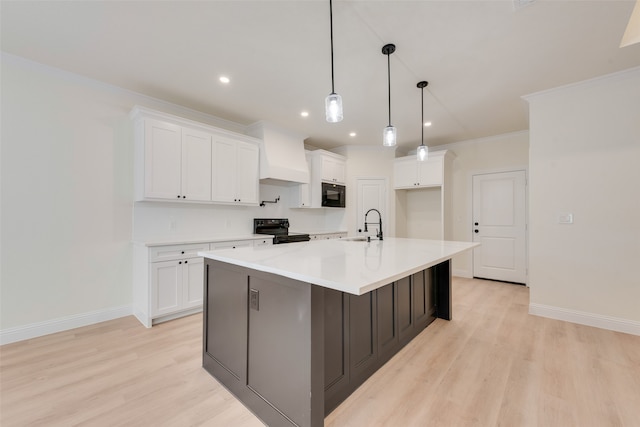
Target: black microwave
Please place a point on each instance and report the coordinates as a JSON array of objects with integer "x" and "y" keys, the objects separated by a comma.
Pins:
[{"x": 333, "y": 195}]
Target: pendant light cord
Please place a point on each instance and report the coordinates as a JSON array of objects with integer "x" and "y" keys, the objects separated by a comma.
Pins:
[
  {"x": 422, "y": 121},
  {"x": 389, "y": 82},
  {"x": 331, "y": 27}
]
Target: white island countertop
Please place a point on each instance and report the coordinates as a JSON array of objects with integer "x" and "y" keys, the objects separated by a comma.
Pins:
[{"x": 355, "y": 267}]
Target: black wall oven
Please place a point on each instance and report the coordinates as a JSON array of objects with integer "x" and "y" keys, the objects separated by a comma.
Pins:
[{"x": 333, "y": 195}]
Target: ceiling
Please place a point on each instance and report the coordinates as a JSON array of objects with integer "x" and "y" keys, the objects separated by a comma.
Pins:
[{"x": 479, "y": 57}]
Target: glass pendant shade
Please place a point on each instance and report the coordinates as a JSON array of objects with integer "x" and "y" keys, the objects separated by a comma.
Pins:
[
  {"x": 333, "y": 108},
  {"x": 389, "y": 136},
  {"x": 423, "y": 153}
]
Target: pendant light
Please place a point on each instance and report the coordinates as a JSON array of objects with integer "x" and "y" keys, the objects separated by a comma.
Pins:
[
  {"x": 423, "y": 151},
  {"x": 389, "y": 133},
  {"x": 333, "y": 102}
]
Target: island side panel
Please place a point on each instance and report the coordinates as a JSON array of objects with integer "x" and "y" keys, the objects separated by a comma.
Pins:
[
  {"x": 442, "y": 282},
  {"x": 283, "y": 342},
  {"x": 225, "y": 322},
  {"x": 281, "y": 338}
]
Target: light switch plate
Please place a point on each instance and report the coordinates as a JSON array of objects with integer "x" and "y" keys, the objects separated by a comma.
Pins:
[{"x": 565, "y": 218}]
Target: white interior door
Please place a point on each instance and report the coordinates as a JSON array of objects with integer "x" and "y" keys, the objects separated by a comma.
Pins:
[
  {"x": 372, "y": 194},
  {"x": 500, "y": 226}
]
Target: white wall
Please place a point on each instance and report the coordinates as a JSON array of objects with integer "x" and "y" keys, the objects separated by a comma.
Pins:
[
  {"x": 584, "y": 160},
  {"x": 68, "y": 218},
  {"x": 66, "y": 195}
]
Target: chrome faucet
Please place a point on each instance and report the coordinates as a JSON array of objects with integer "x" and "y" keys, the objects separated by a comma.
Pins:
[{"x": 379, "y": 234}]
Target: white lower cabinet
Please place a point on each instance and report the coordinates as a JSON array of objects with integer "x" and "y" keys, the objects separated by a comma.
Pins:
[
  {"x": 233, "y": 244},
  {"x": 176, "y": 285},
  {"x": 168, "y": 280}
]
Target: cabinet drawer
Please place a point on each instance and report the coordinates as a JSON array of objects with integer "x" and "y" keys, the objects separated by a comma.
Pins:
[
  {"x": 173, "y": 252},
  {"x": 231, "y": 244},
  {"x": 263, "y": 242}
]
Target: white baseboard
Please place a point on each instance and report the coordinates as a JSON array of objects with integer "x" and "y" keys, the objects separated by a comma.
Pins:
[
  {"x": 584, "y": 318},
  {"x": 34, "y": 330}
]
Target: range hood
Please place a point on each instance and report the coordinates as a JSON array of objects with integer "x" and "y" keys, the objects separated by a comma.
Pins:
[{"x": 282, "y": 155}]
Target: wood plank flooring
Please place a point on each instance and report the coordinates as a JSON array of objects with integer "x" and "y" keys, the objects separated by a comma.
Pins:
[{"x": 492, "y": 365}]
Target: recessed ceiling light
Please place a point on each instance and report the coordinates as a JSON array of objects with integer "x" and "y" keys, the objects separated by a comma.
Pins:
[
  {"x": 352, "y": 134},
  {"x": 224, "y": 79},
  {"x": 427, "y": 124},
  {"x": 305, "y": 114}
]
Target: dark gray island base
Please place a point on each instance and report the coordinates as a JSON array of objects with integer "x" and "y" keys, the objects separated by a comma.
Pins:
[{"x": 292, "y": 351}]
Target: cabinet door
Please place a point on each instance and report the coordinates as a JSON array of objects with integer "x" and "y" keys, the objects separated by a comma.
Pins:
[
  {"x": 424, "y": 301},
  {"x": 162, "y": 160},
  {"x": 333, "y": 170},
  {"x": 196, "y": 165},
  {"x": 247, "y": 177},
  {"x": 223, "y": 185},
  {"x": 404, "y": 173},
  {"x": 430, "y": 171},
  {"x": 387, "y": 320},
  {"x": 363, "y": 345},
  {"x": 338, "y": 173},
  {"x": 166, "y": 287},
  {"x": 192, "y": 282},
  {"x": 405, "y": 307},
  {"x": 231, "y": 244}
]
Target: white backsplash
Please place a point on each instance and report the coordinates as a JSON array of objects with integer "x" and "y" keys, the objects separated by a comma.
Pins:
[{"x": 166, "y": 220}]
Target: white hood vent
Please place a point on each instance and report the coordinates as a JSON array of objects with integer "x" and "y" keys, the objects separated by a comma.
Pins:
[{"x": 282, "y": 155}]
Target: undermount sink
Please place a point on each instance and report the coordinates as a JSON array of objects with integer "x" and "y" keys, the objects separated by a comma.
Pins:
[{"x": 355, "y": 239}]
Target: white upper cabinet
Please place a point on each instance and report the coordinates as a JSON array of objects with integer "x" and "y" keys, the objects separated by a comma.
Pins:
[
  {"x": 196, "y": 165},
  {"x": 301, "y": 193},
  {"x": 235, "y": 171},
  {"x": 247, "y": 173},
  {"x": 162, "y": 160},
  {"x": 329, "y": 166},
  {"x": 180, "y": 160},
  {"x": 224, "y": 164},
  {"x": 333, "y": 170},
  {"x": 411, "y": 173}
]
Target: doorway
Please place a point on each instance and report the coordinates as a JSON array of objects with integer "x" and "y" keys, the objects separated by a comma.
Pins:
[{"x": 499, "y": 224}]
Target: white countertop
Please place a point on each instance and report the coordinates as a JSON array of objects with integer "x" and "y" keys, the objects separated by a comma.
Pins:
[
  {"x": 355, "y": 267},
  {"x": 190, "y": 240},
  {"x": 311, "y": 233}
]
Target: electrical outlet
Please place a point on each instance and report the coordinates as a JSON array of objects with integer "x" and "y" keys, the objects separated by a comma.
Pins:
[
  {"x": 254, "y": 299},
  {"x": 565, "y": 218}
]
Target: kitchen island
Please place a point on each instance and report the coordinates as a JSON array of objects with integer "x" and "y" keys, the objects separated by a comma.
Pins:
[{"x": 293, "y": 329}]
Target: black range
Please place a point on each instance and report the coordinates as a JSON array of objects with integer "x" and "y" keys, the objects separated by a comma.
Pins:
[{"x": 279, "y": 228}]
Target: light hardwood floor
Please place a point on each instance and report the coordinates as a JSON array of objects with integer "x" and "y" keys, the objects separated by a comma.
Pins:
[{"x": 492, "y": 365}]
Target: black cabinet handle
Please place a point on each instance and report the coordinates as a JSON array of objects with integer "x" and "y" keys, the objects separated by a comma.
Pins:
[
  {"x": 185, "y": 262},
  {"x": 184, "y": 197},
  {"x": 475, "y": 223},
  {"x": 476, "y": 231},
  {"x": 178, "y": 196},
  {"x": 180, "y": 262}
]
